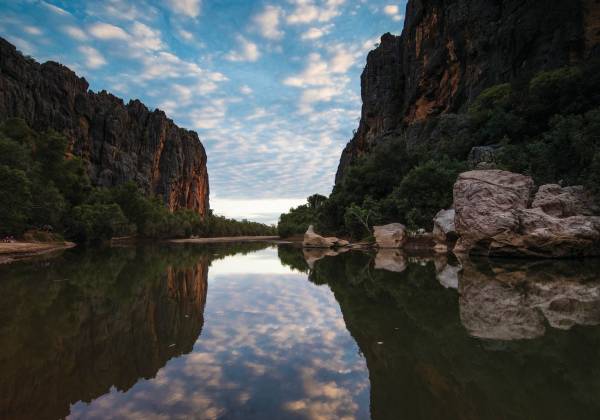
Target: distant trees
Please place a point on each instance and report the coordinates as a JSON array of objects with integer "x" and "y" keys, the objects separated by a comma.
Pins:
[{"x": 40, "y": 187}]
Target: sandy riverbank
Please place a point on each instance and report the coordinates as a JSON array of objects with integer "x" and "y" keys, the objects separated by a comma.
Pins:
[
  {"x": 12, "y": 251},
  {"x": 228, "y": 239}
]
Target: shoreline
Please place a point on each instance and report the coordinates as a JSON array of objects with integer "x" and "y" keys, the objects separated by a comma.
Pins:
[
  {"x": 225, "y": 239},
  {"x": 15, "y": 251}
]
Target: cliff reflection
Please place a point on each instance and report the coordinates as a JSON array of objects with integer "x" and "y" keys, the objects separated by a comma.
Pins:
[
  {"x": 417, "y": 334},
  {"x": 75, "y": 326}
]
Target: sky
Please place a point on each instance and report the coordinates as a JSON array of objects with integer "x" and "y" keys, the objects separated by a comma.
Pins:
[{"x": 271, "y": 87}]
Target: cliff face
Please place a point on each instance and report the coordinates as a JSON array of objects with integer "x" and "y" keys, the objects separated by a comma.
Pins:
[
  {"x": 451, "y": 50},
  {"x": 119, "y": 142}
]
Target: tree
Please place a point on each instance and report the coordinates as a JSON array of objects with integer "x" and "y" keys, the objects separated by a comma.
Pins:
[{"x": 15, "y": 200}]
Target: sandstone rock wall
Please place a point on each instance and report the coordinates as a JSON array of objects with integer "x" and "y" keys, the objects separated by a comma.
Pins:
[
  {"x": 451, "y": 50},
  {"x": 119, "y": 142}
]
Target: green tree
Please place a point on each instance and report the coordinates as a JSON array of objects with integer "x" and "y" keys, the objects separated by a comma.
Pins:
[{"x": 15, "y": 200}]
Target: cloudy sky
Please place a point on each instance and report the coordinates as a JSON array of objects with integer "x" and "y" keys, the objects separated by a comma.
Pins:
[{"x": 272, "y": 87}]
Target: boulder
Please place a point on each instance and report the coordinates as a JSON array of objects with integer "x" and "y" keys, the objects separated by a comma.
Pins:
[
  {"x": 561, "y": 202},
  {"x": 493, "y": 217},
  {"x": 393, "y": 235},
  {"x": 443, "y": 229},
  {"x": 314, "y": 240}
]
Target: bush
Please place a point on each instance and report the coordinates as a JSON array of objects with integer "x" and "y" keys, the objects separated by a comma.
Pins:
[
  {"x": 97, "y": 222},
  {"x": 15, "y": 201}
]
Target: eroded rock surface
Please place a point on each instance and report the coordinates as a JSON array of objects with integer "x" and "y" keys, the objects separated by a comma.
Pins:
[
  {"x": 451, "y": 50},
  {"x": 118, "y": 142},
  {"x": 393, "y": 235},
  {"x": 494, "y": 217},
  {"x": 314, "y": 240}
]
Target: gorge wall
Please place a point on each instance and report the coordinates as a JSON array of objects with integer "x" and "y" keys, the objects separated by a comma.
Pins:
[
  {"x": 118, "y": 142},
  {"x": 451, "y": 50}
]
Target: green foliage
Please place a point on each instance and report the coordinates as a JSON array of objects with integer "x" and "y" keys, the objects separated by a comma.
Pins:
[
  {"x": 15, "y": 200},
  {"x": 547, "y": 126},
  {"x": 298, "y": 219},
  {"x": 425, "y": 190},
  {"x": 44, "y": 188},
  {"x": 97, "y": 222}
]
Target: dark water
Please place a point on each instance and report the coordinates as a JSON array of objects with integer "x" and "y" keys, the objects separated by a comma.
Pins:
[{"x": 258, "y": 332}]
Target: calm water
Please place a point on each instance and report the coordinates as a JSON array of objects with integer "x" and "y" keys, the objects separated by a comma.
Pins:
[{"x": 260, "y": 332}]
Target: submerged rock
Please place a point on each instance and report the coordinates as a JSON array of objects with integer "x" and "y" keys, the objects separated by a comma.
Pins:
[
  {"x": 493, "y": 217},
  {"x": 393, "y": 235}
]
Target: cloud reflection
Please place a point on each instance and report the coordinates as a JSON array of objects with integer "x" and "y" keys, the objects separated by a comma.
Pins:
[{"x": 273, "y": 343}]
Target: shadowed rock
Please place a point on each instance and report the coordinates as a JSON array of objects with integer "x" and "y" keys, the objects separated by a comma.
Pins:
[
  {"x": 393, "y": 235},
  {"x": 509, "y": 300},
  {"x": 493, "y": 217}
]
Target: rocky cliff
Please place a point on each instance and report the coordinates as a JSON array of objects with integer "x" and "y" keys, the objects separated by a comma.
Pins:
[
  {"x": 119, "y": 142},
  {"x": 451, "y": 50}
]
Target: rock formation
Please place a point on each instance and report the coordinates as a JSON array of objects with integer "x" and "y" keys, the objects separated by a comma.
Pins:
[
  {"x": 494, "y": 217},
  {"x": 393, "y": 235},
  {"x": 444, "y": 230},
  {"x": 118, "y": 142},
  {"x": 314, "y": 240},
  {"x": 451, "y": 50}
]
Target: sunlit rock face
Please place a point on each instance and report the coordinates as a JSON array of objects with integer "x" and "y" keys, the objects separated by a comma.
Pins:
[
  {"x": 451, "y": 50},
  {"x": 118, "y": 142},
  {"x": 75, "y": 333},
  {"x": 505, "y": 300}
]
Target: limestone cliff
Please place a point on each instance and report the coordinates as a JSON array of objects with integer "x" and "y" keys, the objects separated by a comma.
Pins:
[
  {"x": 451, "y": 50},
  {"x": 119, "y": 142}
]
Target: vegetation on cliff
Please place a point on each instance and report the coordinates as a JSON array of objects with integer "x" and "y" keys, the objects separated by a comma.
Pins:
[
  {"x": 546, "y": 126},
  {"x": 41, "y": 187}
]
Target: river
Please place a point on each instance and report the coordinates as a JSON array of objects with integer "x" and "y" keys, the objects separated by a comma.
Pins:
[{"x": 259, "y": 331}]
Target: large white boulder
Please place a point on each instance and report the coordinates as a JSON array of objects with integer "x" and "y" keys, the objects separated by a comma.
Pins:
[{"x": 393, "y": 235}]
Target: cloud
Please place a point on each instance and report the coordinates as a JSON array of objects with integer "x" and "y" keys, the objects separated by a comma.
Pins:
[
  {"x": 190, "y": 8},
  {"x": 145, "y": 37},
  {"x": 55, "y": 9},
  {"x": 246, "y": 90},
  {"x": 262, "y": 210},
  {"x": 308, "y": 11},
  {"x": 75, "y": 33},
  {"x": 209, "y": 116},
  {"x": 246, "y": 51},
  {"x": 32, "y": 30},
  {"x": 93, "y": 58},
  {"x": 393, "y": 10},
  {"x": 107, "y": 31},
  {"x": 268, "y": 22},
  {"x": 314, "y": 33}
]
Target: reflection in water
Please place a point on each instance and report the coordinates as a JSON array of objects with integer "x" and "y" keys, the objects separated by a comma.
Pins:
[
  {"x": 510, "y": 300},
  {"x": 133, "y": 333},
  {"x": 424, "y": 365},
  {"x": 74, "y": 327}
]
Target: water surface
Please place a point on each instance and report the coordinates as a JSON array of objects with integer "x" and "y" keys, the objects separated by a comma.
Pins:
[{"x": 256, "y": 331}]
